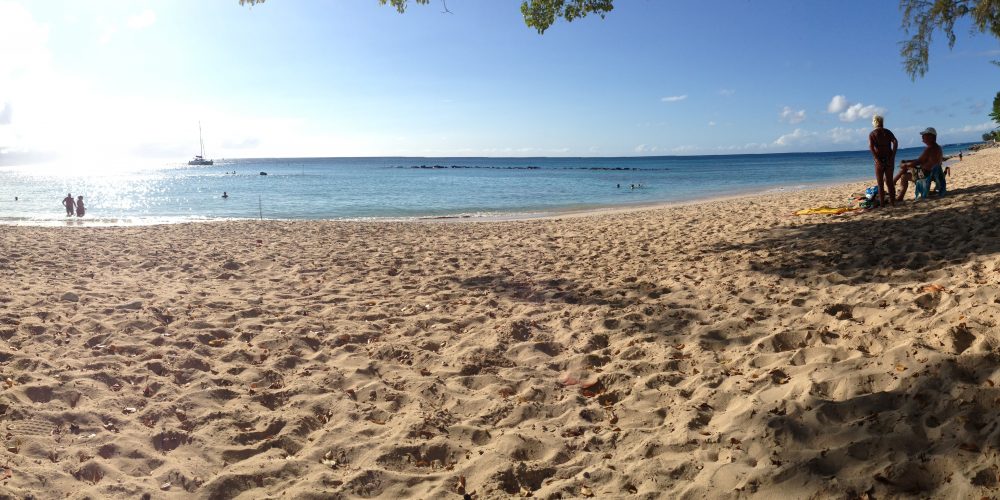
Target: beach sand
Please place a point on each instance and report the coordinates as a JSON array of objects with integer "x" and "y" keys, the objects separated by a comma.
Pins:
[{"x": 724, "y": 349}]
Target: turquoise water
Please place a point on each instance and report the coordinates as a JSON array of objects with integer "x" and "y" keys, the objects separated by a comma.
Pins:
[{"x": 405, "y": 188}]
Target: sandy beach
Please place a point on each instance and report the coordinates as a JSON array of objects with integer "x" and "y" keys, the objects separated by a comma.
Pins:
[{"x": 725, "y": 349}]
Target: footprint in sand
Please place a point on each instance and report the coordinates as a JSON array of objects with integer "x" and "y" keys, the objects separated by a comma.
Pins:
[{"x": 961, "y": 338}]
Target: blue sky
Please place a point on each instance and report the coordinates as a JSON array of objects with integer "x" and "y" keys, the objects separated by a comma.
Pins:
[{"x": 353, "y": 78}]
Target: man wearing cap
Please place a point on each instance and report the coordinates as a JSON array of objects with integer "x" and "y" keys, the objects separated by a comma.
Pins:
[{"x": 929, "y": 163}]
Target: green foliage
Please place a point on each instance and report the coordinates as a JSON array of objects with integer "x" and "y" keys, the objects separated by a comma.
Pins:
[
  {"x": 989, "y": 136},
  {"x": 922, "y": 18},
  {"x": 995, "y": 115},
  {"x": 400, "y": 5},
  {"x": 540, "y": 14}
]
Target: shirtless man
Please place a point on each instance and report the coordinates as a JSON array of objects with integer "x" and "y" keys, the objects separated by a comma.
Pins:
[
  {"x": 883, "y": 146},
  {"x": 929, "y": 163},
  {"x": 69, "y": 204}
]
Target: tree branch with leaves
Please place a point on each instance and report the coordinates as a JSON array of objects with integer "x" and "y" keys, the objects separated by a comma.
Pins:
[
  {"x": 921, "y": 20},
  {"x": 995, "y": 114},
  {"x": 538, "y": 14}
]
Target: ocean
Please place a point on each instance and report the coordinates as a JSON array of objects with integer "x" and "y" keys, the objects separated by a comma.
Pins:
[{"x": 405, "y": 187}]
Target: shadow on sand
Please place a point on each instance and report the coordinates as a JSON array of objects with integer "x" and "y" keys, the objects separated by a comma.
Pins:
[
  {"x": 881, "y": 246},
  {"x": 935, "y": 427},
  {"x": 932, "y": 427}
]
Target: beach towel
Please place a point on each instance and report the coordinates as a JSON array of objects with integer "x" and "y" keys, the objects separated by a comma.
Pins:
[{"x": 824, "y": 210}]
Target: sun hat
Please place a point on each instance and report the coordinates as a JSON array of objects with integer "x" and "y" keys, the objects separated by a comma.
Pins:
[{"x": 929, "y": 130}]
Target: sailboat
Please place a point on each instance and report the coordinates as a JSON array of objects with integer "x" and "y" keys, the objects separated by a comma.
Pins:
[{"x": 200, "y": 159}]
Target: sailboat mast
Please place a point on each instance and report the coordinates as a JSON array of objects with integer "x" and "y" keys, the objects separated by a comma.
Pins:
[
  {"x": 200, "y": 159},
  {"x": 200, "y": 140}
]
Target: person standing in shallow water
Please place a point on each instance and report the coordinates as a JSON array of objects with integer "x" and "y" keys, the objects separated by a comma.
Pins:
[
  {"x": 69, "y": 204},
  {"x": 883, "y": 146},
  {"x": 80, "y": 210}
]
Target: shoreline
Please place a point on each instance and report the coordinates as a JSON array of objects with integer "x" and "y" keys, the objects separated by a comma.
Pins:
[
  {"x": 513, "y": 216},
  {"x": 569, "y": 210}
]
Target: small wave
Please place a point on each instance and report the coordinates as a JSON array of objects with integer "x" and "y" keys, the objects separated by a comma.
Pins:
[
  {"x": 98, "y": 221},
  {"x": 531, "y": 167},
  {"x": 782, "y": 189}
]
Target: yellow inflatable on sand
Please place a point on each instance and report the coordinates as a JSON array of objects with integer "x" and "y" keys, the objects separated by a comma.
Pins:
[{"x": 824, "y": 210}]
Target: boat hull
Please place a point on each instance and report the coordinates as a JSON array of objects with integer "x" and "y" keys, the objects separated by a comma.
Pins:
[{"x": 201, "y": 162}]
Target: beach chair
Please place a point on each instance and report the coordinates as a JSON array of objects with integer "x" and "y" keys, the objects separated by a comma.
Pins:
[{"x": 937, "y": 177}]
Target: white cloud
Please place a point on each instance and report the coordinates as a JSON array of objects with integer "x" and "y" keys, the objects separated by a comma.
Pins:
[
  {"x": 860, "y": 111},
  {"x": 508, "y": 151},
  {"x": 727, "y": 92},
  {"x": 791, "y": 116},
  {"x": 142, "y": 20},
  {"x": 797, "y": 136},
  {"x": 837, "y": 104},
  {"x": 109, "y": 28},
  {"x": 643, "y": 148},
  {"x": 849, "y": 112},
  {"x": 107, "y": 35},
  {"x": 981, "y": 127},
  {"x": 711, "y": 124},
  {"x": 674, "y": 98},
  {"x": 844, "y": 135},
  {"x": 750, "y": 146},
  {"x": 106, "y": 28}
]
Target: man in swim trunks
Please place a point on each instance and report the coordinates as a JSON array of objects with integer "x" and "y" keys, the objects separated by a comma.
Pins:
[
  {"x": 69, "y": 204},
  {"x": 929, "y": 162},
  {"x": 883, "y": 146}
]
